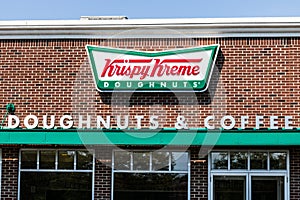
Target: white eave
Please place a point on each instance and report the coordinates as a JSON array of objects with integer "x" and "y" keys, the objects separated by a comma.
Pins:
[{"x": 152, "y": 28}]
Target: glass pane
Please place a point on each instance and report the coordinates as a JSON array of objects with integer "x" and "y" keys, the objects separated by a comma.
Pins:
[
  {"x": 122, "y": 160},
  {"x": 141, "y": 161},
  {"x": 160, "y": 161},
  {"x": 278, "y": 160},
  {"x": 29, "y": 159},
  {"x": 238, "y": 160},
  {"x": 150, "y": 186},
  {"x": 229, "y": 188},
  {"x": 258, "y": 160},
  {"x": 84, "y": 160},
  {"x": 219, "y": 160},
  {"x": 270, "y": 188},
  {"x": 66, "y": 159},
  {"x": 47, "y": 159},
  {"x": 58, "y": 186},
  {"x": 179, "y": 161}
]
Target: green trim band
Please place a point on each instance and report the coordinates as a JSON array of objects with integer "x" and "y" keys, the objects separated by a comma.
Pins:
[{"x": 143, "y": 137}]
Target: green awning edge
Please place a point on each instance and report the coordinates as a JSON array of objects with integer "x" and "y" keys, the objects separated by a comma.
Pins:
[{"x": 193, "y": 137}]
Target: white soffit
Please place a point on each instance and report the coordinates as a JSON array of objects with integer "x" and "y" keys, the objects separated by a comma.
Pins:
[{"x": 152, "y": 28}]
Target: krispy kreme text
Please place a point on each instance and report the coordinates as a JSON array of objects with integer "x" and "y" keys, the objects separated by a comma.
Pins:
[{"x": 160, "y": 67}]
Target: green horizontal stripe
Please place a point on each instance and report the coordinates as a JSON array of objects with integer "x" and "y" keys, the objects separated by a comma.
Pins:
[{"x": 142, "y": 137}]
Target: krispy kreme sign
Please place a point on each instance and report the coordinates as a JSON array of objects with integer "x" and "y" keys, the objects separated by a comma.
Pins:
[{"x": 148, "y": 71}]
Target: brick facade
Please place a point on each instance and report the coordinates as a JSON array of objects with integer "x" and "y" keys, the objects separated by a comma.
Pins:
[
  {"x": 294, "y": 173},
  {"x": 253, "y": 76},
  {"x": 10, "y": 168}
]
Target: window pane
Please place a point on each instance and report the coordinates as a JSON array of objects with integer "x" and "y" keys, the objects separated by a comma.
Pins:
[
  {"x": 150, "y": 186},
  {"x": 66, "y": 159},
  {"x": 122, "y": 160},
  {"x": 179, "y": 161},
  {"x": 141, "y": 161},
  {"x": 84, "y": 160},
  {"x": 47, "y": 159},
  {"x": 160, "y": 161},
  {"x": 229, "y": 187},
  {"x": 219, "y": 160},
  {"x": 55, "y": 185},
  {"x": 29, "y": 159},
  {"x": 277, "y": 160},
  {"x": 238, "y": 160},
  {"x": 270, "y": 188},
  {"x": 258, "y": 160}
]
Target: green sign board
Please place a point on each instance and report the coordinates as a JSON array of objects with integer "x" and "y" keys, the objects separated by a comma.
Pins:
[{"x": 147, "y": 71}]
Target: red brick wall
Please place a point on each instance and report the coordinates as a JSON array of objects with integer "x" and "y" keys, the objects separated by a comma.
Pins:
[
  {"x": 103, "y": 172},
  {"x": 199, "y": 176},
  {"x": 102, "y": 186},
  {"x": 294, "y": 173},
  {"x": 9, "y": 179},
  {"x": 255, "y": 77}
]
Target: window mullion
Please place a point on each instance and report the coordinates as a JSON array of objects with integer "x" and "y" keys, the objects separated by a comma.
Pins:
[
  {"x": 248, "y": 186},
  {"x": 268, "y": 161},
  {"x": 150, "y": 164},
  {"x": 38, "y": 160},
  {"x": 131, "y": 161},
  {"x": 228, "y": 159},
  {"x": 56, "y": 159},
  {"x": 170, "y": 161},
  {"x": 75, "y": 159},
  {"x": 249, "y": 161}
]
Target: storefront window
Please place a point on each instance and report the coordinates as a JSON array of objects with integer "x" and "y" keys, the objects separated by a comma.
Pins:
[
  {"x": 84, "y": 160},
  {"x": 122, "y": 160},
  {"x": 52, "y": 174},
  {"x": 153, "y": 175},
  {"x": 152, "y": 186},
  {"x": 29, "y": 159},
  {"x": 238, "y": 160},
  {"x": 56, "y": 186},
  {"x": 258, "y": 160},
  {"x": 141, "y": 161},
  {"x": 160, "y": 161},
  {"x": 251, "y": 175},
  {"x": 278, "y": 161},
  {"x": 271, "y": 188},
  {"x": 229, "y": 187},
  {"x": 47, "y": 159},
  {"x": 66, "y": 159},
  {"x": 219, "y": 160},
  {"x": 179, "y": 161}
]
